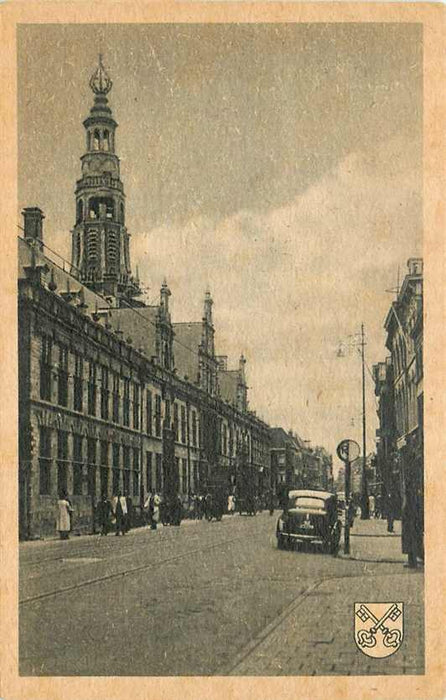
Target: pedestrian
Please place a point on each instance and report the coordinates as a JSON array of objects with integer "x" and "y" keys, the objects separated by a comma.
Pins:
[
  {"x": 390, "y": 511},
  {"x": 412, "y": 521},
  {"x": 64, "y": 511},
  {"x": 372, "y": 506},
  {"x": 200, "y": 507},
  {"x": 104, "y": 510},
  {"x": 271, "y": 502},
  {"x": 208, "y": 506},
  {"x": 147, "y": 509},
  {"x": 154, "y": 509},
  {"x": 177, "y": 511},
  {"x": 351, "y": 512},
  {"x": 128, "y": 518},
  {"x": 231, "y": 504},
  {"x": 120, "y": 513}
]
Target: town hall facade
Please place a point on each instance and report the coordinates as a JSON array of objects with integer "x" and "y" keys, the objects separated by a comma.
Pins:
[{"x": 113, "y": 395}]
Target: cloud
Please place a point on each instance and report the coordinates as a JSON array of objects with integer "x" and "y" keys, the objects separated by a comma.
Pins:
[{"x": 288, "y": 283}]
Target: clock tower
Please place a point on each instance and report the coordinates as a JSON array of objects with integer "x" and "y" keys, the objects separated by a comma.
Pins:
[{"x": 100, "y": 254}]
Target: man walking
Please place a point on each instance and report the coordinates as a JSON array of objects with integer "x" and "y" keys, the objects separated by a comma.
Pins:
[{"x": 120, "y": 512}]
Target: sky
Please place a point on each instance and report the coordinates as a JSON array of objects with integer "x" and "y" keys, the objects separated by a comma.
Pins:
[{"x": 280, "y": 165}]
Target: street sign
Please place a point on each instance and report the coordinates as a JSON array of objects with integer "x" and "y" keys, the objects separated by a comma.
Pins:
[{"x": 348, "y": 450}]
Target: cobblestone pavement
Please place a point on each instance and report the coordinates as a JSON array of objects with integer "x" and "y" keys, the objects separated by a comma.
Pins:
[
  {"x": 314, "y": 636},
  {"x": 210, "y": 599}
]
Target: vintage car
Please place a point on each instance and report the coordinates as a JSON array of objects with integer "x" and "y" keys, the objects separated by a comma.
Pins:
[{"x": 310, "y": 518}]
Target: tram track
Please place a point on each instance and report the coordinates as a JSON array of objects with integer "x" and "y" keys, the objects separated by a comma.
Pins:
[{"x": 126, "y": 572}]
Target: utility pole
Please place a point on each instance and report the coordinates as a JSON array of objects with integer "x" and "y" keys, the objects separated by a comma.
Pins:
[{"x": 365, "y": 513}]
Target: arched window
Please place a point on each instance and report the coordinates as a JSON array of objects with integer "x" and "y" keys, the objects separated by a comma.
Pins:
[
  {"x": 80, "y": 211},
  {"x": 105, "y": 141},
  {"x": 96, "y": 140}
]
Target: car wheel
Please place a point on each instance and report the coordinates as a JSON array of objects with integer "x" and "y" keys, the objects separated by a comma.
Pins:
[
  {"x": 336, "y": 539},
  {"x": 282, "y": 542}
]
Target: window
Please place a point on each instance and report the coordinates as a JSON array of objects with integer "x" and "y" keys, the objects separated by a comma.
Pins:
[
  {"x": 167, "y": 416},
  {"x": 126, "y": 403},
  {"x": 196, "y": 475},
  {"x": 116, "y": 480},
  {"x": 104, "y": 467},
  {"x": 136, "y": 471},
  {"x": 62, "y": 452},
  {"x": 183, "y": 424},
  {"x": 91, "y": 464},
  {"x": 136, "y": 407},
  {"x": 62, "y": 376},
  {"x": 175, "y": 422},
  {"x": 194, "y": 429},
  {"x": 77, "y": 464},
  {"x": 159, "y": 474},
  {"x": 45, "y": 368},
  {"x": 80, "y": 211},
  {"x": 149, "y": 413},
  {"x": 78, "y": 383},
  {"x": 104, "y": 393},
  {"x": 126, "y": 466},
  {"x": 149, "y": 483},
  {"x": 96, "y": 140},
  {"x": 184, "y": 476},
  {"x": 44, "y": 460},
  {"x": 115, "y": 397},
  {"x": 158, "y": 416},
  {"x": 92, "y": 389}
]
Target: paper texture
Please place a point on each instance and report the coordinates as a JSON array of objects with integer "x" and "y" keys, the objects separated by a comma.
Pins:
[{"x": 276, "y": 166}]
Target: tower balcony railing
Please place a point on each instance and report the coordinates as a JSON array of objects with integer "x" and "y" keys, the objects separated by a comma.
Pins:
[{"x": 100, "y": 181}]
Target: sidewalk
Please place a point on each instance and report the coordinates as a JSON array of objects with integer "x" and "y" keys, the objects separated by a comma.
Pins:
[
  {"x": 370, "y": 541},
  {"x": 314, "y": 635}
]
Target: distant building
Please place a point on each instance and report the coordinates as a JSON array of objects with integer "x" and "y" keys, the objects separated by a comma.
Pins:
[
  {"x": 386, "y": 456},
  {"x": 400, "y": 380},
  {"x": 295, "y": 465}
]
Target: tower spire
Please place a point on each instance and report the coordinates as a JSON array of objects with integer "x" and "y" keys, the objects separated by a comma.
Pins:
[
  {"x": 100, "y": 81},
  {"x": 101, "y": 242}
]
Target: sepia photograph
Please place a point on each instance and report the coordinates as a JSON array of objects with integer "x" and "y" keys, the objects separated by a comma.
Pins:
[{"x": 220, "y": 349}]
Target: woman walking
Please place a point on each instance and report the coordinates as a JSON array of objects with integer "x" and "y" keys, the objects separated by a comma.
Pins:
[{"x": 64, "y": 511}]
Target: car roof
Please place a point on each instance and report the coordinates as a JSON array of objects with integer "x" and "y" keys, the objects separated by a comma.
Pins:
[{"x": 311, "y": 494}]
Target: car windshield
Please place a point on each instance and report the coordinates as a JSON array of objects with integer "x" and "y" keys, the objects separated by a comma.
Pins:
[{"x": 306, "y": 502}]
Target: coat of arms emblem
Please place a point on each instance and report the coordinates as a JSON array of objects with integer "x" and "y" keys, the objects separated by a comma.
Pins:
[{"x": 379, "y": 628}]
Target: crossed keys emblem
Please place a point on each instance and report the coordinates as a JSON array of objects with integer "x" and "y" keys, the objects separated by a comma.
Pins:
[{"x": 375, "y": 635}]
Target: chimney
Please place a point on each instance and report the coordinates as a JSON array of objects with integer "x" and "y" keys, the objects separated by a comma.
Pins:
[
  {"x": 165, "y": 293},
  {"x": 208, "y": 307},
  {"x": 33, "y": 224},
  {"x": 415, "y": 266}
]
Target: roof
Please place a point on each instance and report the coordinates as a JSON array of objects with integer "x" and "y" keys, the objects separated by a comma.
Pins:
[
  {"x": 139, "y": 324},
  {"x": 228, "y": 381},
  {"x": 188, "y": 338},
  {"x": 64, "y": 280},
  {"x": 280, "y": 438},
  {"x": 310, "y": 494}
]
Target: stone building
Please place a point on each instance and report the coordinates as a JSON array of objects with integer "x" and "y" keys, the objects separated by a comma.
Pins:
[
  {"x": 400, "y": 387},
  {"x": 387, "y": 464},
  {"x": 113, "y": 396}
]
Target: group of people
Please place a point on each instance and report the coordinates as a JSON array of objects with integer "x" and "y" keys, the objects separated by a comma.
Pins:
[
  {"x": 116, "y": 514},
  {"x": 111, "y": 515}
]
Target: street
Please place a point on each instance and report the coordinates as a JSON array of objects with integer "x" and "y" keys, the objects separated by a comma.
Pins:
[{"x": 213, "y": 598}]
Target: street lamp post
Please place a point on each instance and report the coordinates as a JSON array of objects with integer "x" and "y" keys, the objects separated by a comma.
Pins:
[{"x": 365, "y": 511}]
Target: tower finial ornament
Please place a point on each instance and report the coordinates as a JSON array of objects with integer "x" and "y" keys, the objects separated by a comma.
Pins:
[{"x": 100, "y": 81}]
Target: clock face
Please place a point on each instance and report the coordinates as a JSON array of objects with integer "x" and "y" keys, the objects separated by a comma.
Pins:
[{"x": 99, "y": 165}]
